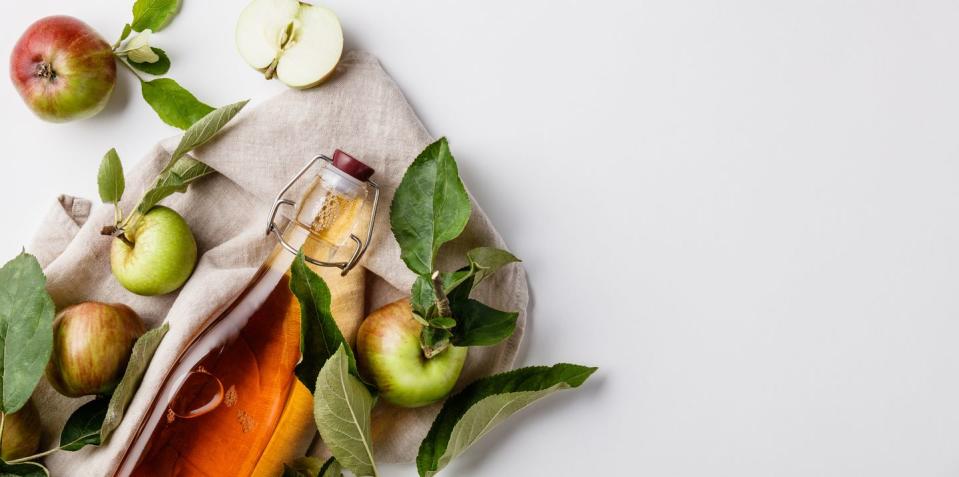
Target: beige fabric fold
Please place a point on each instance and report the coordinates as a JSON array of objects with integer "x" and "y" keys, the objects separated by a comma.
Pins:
[{"x": 360, "y": 110}]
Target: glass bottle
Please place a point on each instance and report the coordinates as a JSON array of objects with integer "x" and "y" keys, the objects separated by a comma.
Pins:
[{"x": 231, "y": 405}]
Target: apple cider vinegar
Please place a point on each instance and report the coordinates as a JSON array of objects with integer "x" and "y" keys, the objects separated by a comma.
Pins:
[{"x": 231, "y": 405}]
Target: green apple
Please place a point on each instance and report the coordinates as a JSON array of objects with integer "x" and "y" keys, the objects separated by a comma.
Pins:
[
  {"x": 298, "y": 43},
  {"x": 63, "y": 69},
  {"x": 389, "y": 353},
  {"x": 160, "y": 256},
  {"x": 21, "y": 433},
  {"x": 92, "y": 343}
]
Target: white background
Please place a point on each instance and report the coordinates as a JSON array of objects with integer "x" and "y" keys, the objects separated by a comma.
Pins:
[{"x": 745, "y": 212}]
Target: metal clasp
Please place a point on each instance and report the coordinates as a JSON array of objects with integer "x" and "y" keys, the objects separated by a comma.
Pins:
[{"x": 361, "y": 246}]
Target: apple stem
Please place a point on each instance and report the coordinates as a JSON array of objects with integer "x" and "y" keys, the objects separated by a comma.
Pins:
[
  {"x": 117, "y": 232},
  {"x": 271, "y": 70},
  {"x": 125, "y": 240},
  {"x": 442, "y": 301}
]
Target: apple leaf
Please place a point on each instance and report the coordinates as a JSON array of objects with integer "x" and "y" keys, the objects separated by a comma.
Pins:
[
  {"x": 430, "y": 207},
  {"x": 201, "y": 131},
  {"x": 470, "y": 414},
  {"x": 83, "y": 426},
  {"x": 485, "y": 261},
  {"x": 23, "y": 469},
  {"x": 341, "y": 406},
  {"x": 186, "y": 171},
  {"x": 26, "y": 330},
  {"x": 175, "y": 105},
  {"x": 320, "y": 337},
  {"x": 127, "y": 29},
  {"x": 153, "y": 14},
  {"x": 480, "y": 325},
  {"x": 110, "y": 178},
  {"x": 157, "y": 68},
  {"x": 140, "y": 357}
]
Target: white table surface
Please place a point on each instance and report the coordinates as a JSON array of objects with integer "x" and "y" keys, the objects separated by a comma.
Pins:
[{"x": 746, "y": 212}]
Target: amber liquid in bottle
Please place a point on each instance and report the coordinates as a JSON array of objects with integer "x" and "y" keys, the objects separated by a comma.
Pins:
[{"x": 232, "y": 397}]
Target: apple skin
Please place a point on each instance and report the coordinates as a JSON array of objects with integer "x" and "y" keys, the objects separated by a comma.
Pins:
[
  {"x": 388, "y": 348},
  {"x": 91, "y": 346},
  {"x": 63, "y": 69},
  {"x": 21, "y": 433},
  {"x": 162, "y": 257}
]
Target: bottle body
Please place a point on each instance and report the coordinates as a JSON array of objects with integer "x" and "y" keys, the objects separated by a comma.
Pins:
[
  {"x": 224, "y": 398},
  {"x": 231, "y": 404}
]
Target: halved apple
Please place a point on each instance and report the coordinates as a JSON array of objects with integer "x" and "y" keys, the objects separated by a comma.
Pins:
[{"x": 298, "y": 43}]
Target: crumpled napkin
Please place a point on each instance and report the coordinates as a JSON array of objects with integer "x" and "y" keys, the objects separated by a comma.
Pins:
[{"x": 360, "y": 110}]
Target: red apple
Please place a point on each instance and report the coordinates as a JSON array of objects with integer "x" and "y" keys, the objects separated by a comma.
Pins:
[
  {"x": 21, "y": 433},
  {"x": 91, "y": 346},
  {"x": 63, "y": 69}
]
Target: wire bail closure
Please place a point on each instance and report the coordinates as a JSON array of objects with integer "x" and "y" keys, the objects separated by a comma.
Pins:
[{"x": 361, "y": 246}]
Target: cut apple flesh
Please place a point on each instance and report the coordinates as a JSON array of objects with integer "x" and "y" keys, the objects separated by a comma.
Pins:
[{"x": 298, "y": 43}]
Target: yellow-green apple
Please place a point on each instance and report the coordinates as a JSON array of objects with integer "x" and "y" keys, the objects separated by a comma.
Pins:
[
  {"x": 158, "y": 255},
  {"x": 63, "y": 69},
  {"x": 297, "y": 42},
  {"x": 389, "y": 353},
  {"x": 21, "y": 433},
  {"x": 91, "y": 346}
]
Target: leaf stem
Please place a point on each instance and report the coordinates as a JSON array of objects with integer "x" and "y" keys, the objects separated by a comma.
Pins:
[
  {"x": 34, "y": 456},
  {"x": 3, "y": 418},
  {"x": 127, "y": 65}
]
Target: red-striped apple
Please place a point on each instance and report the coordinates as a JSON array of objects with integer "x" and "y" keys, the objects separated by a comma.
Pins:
[
  {"x": 63, "y": 69},
  {"x": 91, "y": 346}
]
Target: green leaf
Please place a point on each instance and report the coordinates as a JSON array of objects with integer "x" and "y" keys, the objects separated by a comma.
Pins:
[
  {"x": 186, "y": 171},
  {"x": 83, "y": 426},
  {"x": 25, "y": 469},
  {"x": 480, "y": 325},
  {"x": 175, "y": 105},
  {"x": 127, "y": 29},
  {"x": 473, "y": 412},
  {"x": 157, "y": 68},
  {"x": 320, "y": 337},
  {"x": 206, "y": 128},
  {"x": 485, "y": 261},
  {"x": 430, "y": 207},
  {"x": 443, "y": 322},
  {"x": 342, "y": 406},
  {"x": 110, "y": 178},
  {"x": 137, "y": 366},
  {"x": 153, "y": 14},
  {"x": 26, "y": 330}
]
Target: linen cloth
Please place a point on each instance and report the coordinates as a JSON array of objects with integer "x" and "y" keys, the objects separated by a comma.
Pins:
[{"x": 360, "y": 110}]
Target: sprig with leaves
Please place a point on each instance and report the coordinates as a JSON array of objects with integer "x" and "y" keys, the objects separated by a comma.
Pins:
[
  {"x": 430, "y": 208},
  {"x": 173, "y": 103},
  {"x": 176, "y": 176}
]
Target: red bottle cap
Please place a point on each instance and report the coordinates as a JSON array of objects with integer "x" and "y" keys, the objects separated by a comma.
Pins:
[{"x": 351, "y": 166}]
